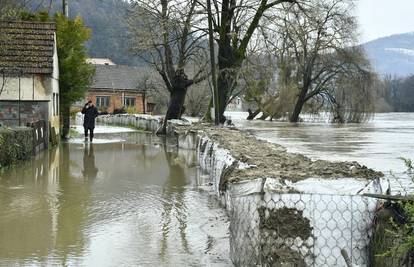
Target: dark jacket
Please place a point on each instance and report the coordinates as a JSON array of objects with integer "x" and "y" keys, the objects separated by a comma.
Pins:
[{"x": 90, "y": 115}]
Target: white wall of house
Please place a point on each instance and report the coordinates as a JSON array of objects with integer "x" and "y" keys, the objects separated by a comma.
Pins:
[
  {"x": 54, "y": 98},
  {"x": 32, "y": 88},
  {"x": 36, "y": 87}
]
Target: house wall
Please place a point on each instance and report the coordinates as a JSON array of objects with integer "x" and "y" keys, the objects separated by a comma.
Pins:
[
  {"x": 116, "y": 99},
  {"x": 35, "y": 88},
  {"x": 34, "y": 96},
  {"x": 32, "y": 87},
  {"x": 54, "y": 106}
]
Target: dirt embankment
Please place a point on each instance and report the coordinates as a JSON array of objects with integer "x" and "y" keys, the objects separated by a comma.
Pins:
[{"x": 270, "y": 160}]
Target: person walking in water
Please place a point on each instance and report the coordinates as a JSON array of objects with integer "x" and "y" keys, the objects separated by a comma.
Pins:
[{"x": 90, "y": 112}]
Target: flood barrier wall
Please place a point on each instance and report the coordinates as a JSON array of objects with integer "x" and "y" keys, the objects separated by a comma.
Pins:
[{"x": 270, "y": 226}]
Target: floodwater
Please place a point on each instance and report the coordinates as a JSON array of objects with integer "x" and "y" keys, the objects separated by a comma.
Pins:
[
  {"x": 378, "y": 144},
  {"x": 135, "y": 201}
]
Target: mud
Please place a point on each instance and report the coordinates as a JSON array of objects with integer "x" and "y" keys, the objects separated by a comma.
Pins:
[
  {"x": 278, "y": 226},
  {"x": 285, "y": 257},
  {"x": 285, "y": 222},
  {"x": 270, "y": 160}
]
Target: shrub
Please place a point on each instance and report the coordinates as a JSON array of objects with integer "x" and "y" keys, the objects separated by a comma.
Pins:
[{"x": 15, "y": 144}]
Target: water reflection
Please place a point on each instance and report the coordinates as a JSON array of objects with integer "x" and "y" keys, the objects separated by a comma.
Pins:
[
  {"x": 74, "y": 198},
  {"x": 29, "y": 194},
  {"x": 174, "y": 191},
  {"x": 109, "y": 204},
  {"x": 89, "y": 166}
]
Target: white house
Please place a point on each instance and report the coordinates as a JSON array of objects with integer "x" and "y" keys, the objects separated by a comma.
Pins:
[{"x": 29, "y": 74}]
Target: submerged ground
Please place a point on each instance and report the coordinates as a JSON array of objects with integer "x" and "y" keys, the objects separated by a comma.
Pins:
[{"x": 128, "y": 199}]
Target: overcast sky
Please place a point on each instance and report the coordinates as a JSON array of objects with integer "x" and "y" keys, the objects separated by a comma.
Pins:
[{"x": 379, "y": 18}]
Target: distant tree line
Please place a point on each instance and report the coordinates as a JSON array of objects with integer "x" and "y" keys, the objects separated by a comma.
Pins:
[{"x": 398, "y": 93}]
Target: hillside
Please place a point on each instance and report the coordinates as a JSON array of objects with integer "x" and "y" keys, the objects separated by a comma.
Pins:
[
  {"x": 106, "y": 18},
  {"x": 392, "y": 55}
]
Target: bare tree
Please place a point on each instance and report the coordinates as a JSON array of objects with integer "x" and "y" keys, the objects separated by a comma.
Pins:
[
  {"x": 317, "y": 53},
  {"x": 235, "y": 22},
  {"x": 257, "y": 81},
  {"x": 163, "y": 34},
  {"x": 197, "y": 100}
]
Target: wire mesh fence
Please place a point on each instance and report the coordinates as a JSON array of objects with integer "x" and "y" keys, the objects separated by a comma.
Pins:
[{"x": 280, "y": 229}]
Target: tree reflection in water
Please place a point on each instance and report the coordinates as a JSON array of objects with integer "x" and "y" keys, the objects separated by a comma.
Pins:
[{"x": 174, "y": 203}]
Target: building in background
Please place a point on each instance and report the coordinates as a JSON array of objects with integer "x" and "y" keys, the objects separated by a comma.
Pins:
[
  {"x": 100, "y": 61},
  {"x": 116, "y": 87},
  {"x": 29, "y": 74},
  {"x": 236, "y": 104}
]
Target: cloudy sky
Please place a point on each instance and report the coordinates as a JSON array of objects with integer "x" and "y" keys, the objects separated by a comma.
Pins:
[{"x": 380, "y": 18}]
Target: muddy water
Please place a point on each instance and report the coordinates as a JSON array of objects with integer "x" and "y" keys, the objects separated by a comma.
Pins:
[
  {"x": 377, "y": 144},
  {"x": 135, "y": 201}
]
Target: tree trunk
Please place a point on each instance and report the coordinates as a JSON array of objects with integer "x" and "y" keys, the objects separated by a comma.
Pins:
[
  {"x": 263, "y": 117},
  {"x": 299, "y": 105},
  {"x": 223, "y": 96},
  {"x": 175, "y": 108},
  {"x": 252, "y": 115},
  {"x": 228, "y": 64},
  {"x": 207, "y": 116},
  {"x": 65, "y": 122}
]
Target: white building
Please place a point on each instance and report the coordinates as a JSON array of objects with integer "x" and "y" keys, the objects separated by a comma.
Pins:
[
  {"x": 29, "y": 74},
  {"x": 100, "y": 61}
]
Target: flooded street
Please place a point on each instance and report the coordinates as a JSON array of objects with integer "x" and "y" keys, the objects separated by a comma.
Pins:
[{"x": 130, "y": 199}]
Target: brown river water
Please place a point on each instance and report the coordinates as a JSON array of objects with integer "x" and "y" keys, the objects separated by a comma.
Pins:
[{"x": 130, "y": 199}]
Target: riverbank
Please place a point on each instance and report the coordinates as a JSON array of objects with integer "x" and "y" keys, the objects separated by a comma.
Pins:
[{"x": 264, "y": 188}]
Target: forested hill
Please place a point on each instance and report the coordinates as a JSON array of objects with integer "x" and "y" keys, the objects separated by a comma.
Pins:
[
  {"x": 106, "y": 18},
  {"x": 392, "y": 55}
]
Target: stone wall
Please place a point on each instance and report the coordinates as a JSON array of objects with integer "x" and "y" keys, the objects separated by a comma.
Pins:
[{"x": 15, "y": 144}]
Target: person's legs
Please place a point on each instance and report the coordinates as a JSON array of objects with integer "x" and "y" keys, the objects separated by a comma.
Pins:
[
  {"x": 86, "y": 132},
  {"x": 91, "y": 134}
]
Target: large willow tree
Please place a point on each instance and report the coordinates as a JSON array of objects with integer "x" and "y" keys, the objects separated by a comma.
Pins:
[{"x": 317, "y": 54}]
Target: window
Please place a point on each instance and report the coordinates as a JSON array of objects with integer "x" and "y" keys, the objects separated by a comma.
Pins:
[
  {"x": 129, "y": 101},
  {"x": 102, "y": 101}
]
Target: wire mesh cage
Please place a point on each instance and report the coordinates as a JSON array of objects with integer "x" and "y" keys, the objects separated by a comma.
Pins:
[{"x": 280, "y": 229}]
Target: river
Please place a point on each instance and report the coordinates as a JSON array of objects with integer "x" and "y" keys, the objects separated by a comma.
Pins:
[
  {"x": 129, "y": 199},
  {"x": 378, "y": 143}
]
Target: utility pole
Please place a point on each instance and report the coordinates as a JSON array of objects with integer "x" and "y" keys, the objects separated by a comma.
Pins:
[
  {"x": 65, "y": 6},
  {"x": 213, "y": 64}
]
